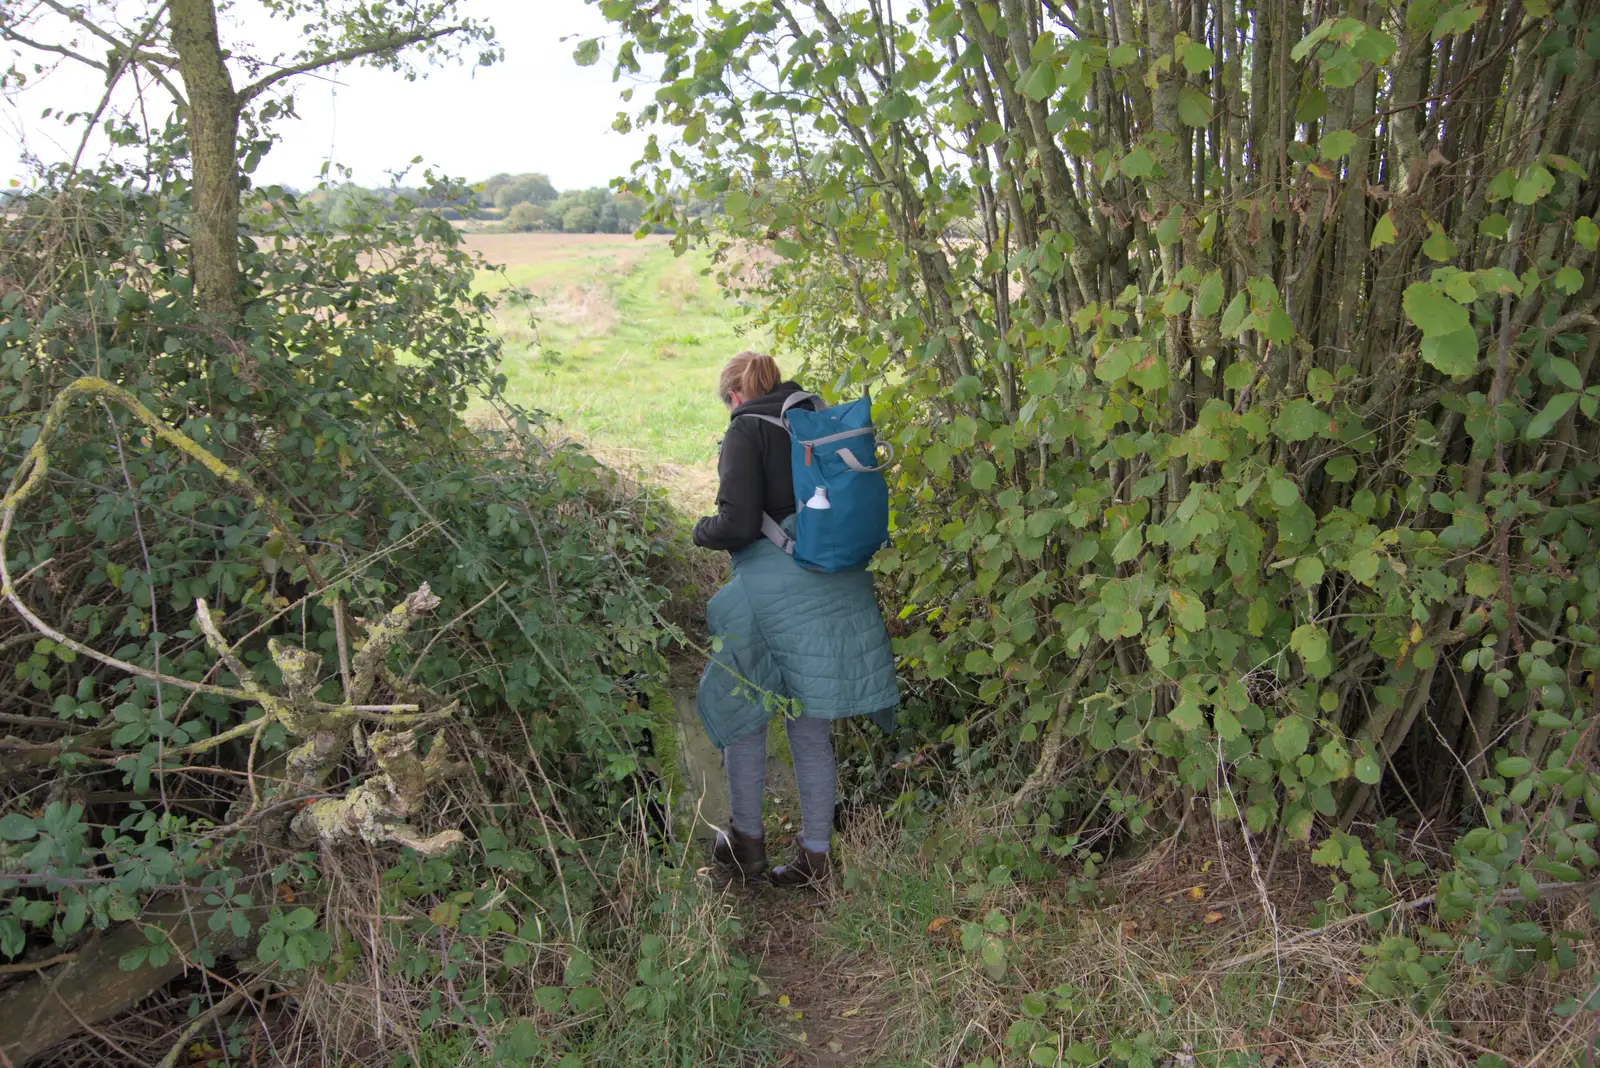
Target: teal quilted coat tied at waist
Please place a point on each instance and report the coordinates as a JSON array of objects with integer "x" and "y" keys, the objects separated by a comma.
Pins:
[{"x": 815, "y": 639}]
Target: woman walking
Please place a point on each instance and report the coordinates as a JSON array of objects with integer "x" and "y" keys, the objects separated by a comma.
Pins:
[{"x": 812, "y": 643}]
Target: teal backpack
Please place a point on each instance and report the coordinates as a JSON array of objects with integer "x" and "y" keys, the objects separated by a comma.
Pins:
[{"x": 841, "y": 497}]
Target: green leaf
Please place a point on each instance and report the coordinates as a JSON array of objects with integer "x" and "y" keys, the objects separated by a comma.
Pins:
[
  {"x": 1454, "y": 354},
  {"x": 1533, "y": 185},
  {"x": 1313, "y": 105},
  {"x": 1513, "y": 767},
  {"x": 1194, "y": 107},
  {"x": 1483, "y": 580},
  {"x": 1567, "y": 280},
  {"x": 1233, "y": 320},
  {"x": 1299, "y": 420},
  {"x": 1585, "y": 232},
  {"x": 1336, "y": 144},
  {"x": 1209, "y": 296},
  {"x": 983, "y": 475},
  {"x": 1432, "y": 312},
  {"x": 1565, "y": 372},
  {"x": 1285, "y": 494},
  {"x": 579, "y": 969},
  {"x": 1138, "y": 163},
  {"x": 1122, "y": 55},
  {"x": 15, "y": 827},
  {"x": 1310, "y": 641},
  {"x": 1501, "y": 185},
  {"x": 1438, "y": 247},
  {"x": 1197, "y": 58},
  {"x": 1188, "y": 610},
  {"x": 1308, "y": 571},
  {"x": 1494, "y": 225},
  {"x": 1039, "y": 82},
  {"x": 587, "y": 53},
  {"x": 1290, "y": 736},
  {"x": 1545, "y": 421},
  {"x": 1384, "y": 232},
  {"x": 1042, "y": 523},
  {"x": 1455, "y": 20},
  {"x": 1341, "y": 468},
  {"x": 1301, "y": 50},
  {"x": 1367, "y": 770},
  {"x": 896, "y": 107},
  {"x": 1187, "y": 715},
  {"x": 585, "y": 999},
  {"x": 1128, "y": 545}
]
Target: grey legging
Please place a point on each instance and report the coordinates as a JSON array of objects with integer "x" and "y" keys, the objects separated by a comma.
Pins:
[{"x": 812, "y": 750}]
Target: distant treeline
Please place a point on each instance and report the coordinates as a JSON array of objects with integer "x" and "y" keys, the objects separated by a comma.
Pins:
[{"x": 518, "y": 202}]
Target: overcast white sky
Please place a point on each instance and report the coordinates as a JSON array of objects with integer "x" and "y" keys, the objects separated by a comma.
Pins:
[{"x": 536, "y": 111}]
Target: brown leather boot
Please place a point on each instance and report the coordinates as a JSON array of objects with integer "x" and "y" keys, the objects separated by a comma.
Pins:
[
  {"x": 806, "y": 870},
  {"x": 745, "y": 855}
]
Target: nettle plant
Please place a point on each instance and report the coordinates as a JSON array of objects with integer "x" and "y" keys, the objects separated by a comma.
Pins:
[{"x": 1241, "y": 364}]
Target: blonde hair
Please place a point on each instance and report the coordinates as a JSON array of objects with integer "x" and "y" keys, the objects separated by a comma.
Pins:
[{"x": 750, "y": 374}]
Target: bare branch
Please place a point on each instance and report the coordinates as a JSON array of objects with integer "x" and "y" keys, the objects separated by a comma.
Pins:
[
  {"x": 12, "y": 35},
  {"x": 354, "y": 52},
  {"x": 139, "y": 52}
]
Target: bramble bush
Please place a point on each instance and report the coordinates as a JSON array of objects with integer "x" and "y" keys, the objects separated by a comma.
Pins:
[
  {"x": 399, "y": 693},
  {"x": 1241, "y": 365}
]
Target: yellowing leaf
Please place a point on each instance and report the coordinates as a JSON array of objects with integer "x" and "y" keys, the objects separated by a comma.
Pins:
[
  {"x": 1212, "y": 917},
  {"x": 1384, "y": 232},
  {"x": 1195, "y": 893},
  {"x": 1438, "y": 247}
]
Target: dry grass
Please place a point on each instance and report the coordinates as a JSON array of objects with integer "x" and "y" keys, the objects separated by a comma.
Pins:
[
  {"x": 879, "y": 970},
  {"x": 587, "y": 310}
]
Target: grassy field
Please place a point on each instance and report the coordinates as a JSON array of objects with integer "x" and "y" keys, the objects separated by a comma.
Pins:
[{"x": 620, "y": 345}]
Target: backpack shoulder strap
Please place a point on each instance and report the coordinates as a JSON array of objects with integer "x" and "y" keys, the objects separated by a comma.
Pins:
[
  {"x": 779, "y": 423},
  {"x": 770, "y": 528},
  {"x": 799, "y": 397},
  {"x": 775, "y": 534}
]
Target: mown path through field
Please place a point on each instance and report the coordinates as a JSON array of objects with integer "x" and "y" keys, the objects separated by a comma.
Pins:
[{"x": 621, "y": 343}]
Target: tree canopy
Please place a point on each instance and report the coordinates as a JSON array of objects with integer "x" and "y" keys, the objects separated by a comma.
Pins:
[{"x": 1240, "y": 360}]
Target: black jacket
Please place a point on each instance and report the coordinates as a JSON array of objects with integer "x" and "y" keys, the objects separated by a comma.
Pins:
[{"x": 755, "y": 476}]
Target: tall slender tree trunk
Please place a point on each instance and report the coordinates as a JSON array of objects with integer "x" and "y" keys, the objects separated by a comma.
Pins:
[{"x": 213, "y": 126}]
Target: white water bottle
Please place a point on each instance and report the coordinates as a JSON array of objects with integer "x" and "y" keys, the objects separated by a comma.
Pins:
[{"x": 819, "y": 500}]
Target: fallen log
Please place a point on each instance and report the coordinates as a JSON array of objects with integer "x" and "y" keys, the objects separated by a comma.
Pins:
[{"x": 68, "y": 998}]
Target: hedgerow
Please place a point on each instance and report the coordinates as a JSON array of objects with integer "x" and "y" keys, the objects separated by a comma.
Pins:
[{"x": 1240, "y": 360}]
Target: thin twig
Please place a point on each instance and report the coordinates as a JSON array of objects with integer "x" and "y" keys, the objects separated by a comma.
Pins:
[
  {"x": 448, "y": 627},
  {"x": 37, "y": 965}
]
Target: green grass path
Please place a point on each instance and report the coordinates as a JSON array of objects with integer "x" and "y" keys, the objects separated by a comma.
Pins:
[{"x": 626, "y": 354}]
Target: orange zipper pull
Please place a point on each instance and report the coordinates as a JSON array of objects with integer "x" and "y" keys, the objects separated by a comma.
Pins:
[{"x": 808, "y": 455}]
